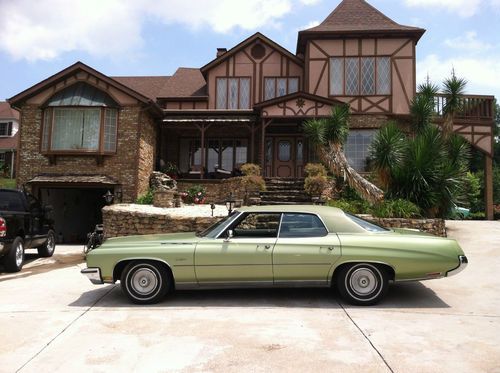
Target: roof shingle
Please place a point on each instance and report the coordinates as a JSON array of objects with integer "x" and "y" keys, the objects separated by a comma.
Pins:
[{"x": 6, "y": 112}]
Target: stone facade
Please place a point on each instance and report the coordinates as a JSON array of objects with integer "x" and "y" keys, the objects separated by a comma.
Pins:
[
  {"x": 128, "y": 223},
  {"x": 437, "y": 227},
  {"x": 130, "y": 166},
  {"x": 119, "y": 222}
]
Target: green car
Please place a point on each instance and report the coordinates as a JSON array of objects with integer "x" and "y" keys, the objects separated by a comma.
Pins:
[{"x": 276, "y": 246}]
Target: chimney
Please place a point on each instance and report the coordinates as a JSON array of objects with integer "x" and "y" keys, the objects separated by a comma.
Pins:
[{"x": 221, "y": 51}]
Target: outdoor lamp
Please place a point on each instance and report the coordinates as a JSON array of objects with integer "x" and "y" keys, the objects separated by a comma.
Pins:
[
  {"x": 108, "y": 197},
  {"x": 212, "y": 206},
  {"x": 230, "y": 202}
]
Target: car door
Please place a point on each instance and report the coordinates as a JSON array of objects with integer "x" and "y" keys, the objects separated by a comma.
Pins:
[
  {"x": 244, "y": 258},
  {"x": 305, "y": 251},
  {"x": 37, "y": 232}
]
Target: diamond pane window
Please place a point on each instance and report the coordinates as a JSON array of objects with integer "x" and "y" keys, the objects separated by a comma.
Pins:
[
  {"x": 368, "y": 76},
  {"x": 352, "y": 76},
  {"x": 284, "y": 151},
  {"x": 47, "y": 121},
  {"x": 270, "y": 88},
  {"x": 293, "y": 85},
  {"x": 281, "y": 87},
  {"x": 244, "y": 93},
  {"x": 336, "y": 76},
  {"x": 233, "y": 94},
  {"x": 357, "y": 148},
  {"x": 221, "y": 93},
  {"x": 383, "y": 75}
]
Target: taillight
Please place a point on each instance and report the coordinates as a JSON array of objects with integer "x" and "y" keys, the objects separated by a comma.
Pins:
[{"x": 3, "y": 227}]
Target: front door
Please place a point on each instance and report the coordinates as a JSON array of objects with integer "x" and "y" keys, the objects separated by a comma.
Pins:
[{"x": 284, "y": 160}]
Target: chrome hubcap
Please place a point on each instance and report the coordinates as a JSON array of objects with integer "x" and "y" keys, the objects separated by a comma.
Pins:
[
  {"x": 19, "y": 254},
  {"x": 363, "y": 281},
  {"x": 144, "y": 281},
  {"x": 50, "y": 243}
]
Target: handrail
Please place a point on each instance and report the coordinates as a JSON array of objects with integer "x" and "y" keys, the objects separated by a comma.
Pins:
[{"x": 471, "y": 107}]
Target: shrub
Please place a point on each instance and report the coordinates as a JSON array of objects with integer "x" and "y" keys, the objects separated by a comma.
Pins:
[
  {"x": 351, "y": 207},
  {"x": 473, "y": 192},
  {"x": 146, "y": 199},
  {"x": 397, "y": 208},
  {"x": 249, "y": 169},
  {"x": 195, "y": 194},
  {"x": 315, "y": 185},
  {"x": 253, "y": 182},
  {"x": 315, "y": 169}
]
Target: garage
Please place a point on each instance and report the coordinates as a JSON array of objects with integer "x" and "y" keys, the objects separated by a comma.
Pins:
[{"x": 76, "y": 201}]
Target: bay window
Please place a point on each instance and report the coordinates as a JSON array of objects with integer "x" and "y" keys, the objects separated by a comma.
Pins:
[
  {"x": 233, "y": 93},
  {"x": 360, "y": 76}
]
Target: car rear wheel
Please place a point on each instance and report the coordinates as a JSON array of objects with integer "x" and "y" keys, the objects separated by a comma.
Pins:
[
  {"x": 14, "y": 260},
  {"x": 145, "y": 282},
  {"x": 48, "y": 248},
  {"x": 362, "y": 284}
]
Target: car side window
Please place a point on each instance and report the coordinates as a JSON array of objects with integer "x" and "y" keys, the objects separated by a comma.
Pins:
[
  {"x": 258, "y": 225},
  {"x": 302, "y": 225}
]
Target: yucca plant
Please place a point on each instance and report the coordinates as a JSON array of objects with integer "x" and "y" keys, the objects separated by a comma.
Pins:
[
  {"x": 328, "y": 136},
  {"x": 453, "y": 89}
]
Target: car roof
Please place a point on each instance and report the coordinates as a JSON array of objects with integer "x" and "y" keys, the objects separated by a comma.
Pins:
[{"x": 334, "y": 218}]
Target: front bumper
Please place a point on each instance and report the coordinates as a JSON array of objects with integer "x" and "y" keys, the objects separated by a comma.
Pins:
[
  {"x": 462, "y": 264},
  {"x": 93, "y": 274}
]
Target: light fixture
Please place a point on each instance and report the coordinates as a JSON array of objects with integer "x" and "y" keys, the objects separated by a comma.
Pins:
[
  {"x": 108, "y": 197},
  {"x": 212, "y": 206},
  {"x": 230, "y": 202}
]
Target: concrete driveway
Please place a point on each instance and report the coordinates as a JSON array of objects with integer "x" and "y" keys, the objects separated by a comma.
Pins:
[{"x": 53, "y": 319}]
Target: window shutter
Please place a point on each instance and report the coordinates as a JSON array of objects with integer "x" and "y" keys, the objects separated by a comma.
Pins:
[{"x": 9, "y": 129}]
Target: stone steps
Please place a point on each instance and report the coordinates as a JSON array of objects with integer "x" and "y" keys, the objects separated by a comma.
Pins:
[{"x": 282, "y": 191}]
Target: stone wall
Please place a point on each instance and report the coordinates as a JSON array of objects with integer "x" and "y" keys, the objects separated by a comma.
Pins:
[
  {"x": 127, "y": 223},
  {"x": 436, "y": 227},
  {"x": 122, "y": 167},
  {"x": 121, "y": 222}
]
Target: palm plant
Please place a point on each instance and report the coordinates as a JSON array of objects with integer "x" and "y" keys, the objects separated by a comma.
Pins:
[
  {"x": 453, "y": 89},
  {"x": 328, "y": 136},
  {"x": 422, "y": 106}
]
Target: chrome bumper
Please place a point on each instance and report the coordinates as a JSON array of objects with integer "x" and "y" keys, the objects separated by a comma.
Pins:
[
  {"x": 93, "y": 274},
  {"x": 462, "y": 263}
]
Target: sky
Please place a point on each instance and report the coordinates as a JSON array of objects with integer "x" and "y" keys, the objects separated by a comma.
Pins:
[{"x": 38, "y": 38}]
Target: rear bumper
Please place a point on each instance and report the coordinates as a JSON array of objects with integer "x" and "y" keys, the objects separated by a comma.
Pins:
[
  {"x": 462, "y": 264},
  {"x": 93, "y": 274}
]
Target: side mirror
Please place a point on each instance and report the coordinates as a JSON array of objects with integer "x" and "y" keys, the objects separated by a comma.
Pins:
[{"x": 229, "y": 235}]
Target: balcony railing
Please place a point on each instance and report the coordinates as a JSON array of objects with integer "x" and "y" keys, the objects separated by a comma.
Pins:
[{"x": 472, "y": 107}]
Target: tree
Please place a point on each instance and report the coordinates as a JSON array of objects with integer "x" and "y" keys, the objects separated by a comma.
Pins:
[{"x": 328, "y": 136}]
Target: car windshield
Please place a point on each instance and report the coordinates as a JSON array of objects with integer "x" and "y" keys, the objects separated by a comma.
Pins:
[
  {"x": 214, "y": 230},
  {"x": 11, "y": 201},
  {"x": 370, "y": 227}
]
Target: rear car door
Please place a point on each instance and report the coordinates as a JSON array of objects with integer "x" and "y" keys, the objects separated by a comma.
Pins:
[
  {"x": 305, "y": 250},
  {"x": 243, "y": 259}
]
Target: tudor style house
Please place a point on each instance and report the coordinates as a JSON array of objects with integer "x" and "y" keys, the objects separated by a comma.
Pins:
[{"x": 83, "y": 133}]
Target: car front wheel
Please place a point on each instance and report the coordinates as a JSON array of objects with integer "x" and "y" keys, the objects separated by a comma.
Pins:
[
  {"x": 362, "y": 284},
  {"x": 145, "y": 282}
]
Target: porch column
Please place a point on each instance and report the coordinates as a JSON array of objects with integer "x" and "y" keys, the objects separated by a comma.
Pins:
[
  {"x": 488, "y": 186},
  {"x": 252, "y": 142},
  {"x": 202, "y": 174},
  {"x": 12, "y": 157},
  {"x": 265, "y": 124}
]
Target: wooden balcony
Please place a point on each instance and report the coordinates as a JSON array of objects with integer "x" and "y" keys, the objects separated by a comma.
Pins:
[{"x": 474, "y": 109}]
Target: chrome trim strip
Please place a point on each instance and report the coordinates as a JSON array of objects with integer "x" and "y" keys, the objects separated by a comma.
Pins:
[
  {"x": 93, "y": 274},
  {"x": 462, "y": 264},
  {"x": 228, "y": 223},
  {"x": 251, "y": 284}
]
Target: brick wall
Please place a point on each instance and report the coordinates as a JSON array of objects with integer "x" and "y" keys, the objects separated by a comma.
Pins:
[{"x": 123, "y": 166}]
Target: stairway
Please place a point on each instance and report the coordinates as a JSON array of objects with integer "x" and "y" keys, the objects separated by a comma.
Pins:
[{"x": 281, "y": 191}]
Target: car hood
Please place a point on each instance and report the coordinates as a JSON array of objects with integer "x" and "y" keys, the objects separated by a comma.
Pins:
[{"x": 150, "y": 239}]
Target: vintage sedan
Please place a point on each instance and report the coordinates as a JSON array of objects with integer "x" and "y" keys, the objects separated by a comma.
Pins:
[{"x": 276, "y": 246}]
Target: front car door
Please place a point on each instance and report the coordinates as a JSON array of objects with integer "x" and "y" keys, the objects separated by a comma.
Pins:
[
  {"x": 305, "y": 251},
  {"x": 245, "y": 258}
]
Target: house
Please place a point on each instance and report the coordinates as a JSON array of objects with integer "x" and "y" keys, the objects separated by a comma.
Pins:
[
  {"x": 83, "y": 133},
  {"x": 9, "y": 125}
]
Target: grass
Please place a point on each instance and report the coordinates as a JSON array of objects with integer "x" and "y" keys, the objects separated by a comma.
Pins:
[{"x": 7, "y": 183}]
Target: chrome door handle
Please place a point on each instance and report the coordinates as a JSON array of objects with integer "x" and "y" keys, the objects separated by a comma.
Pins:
[{"x": 267, "y": 247}]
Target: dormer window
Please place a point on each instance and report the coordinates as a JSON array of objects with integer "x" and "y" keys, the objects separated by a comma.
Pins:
[
  {"x": 277, "y": 87},
  {"x": 5, "y": 129},
  {"x": 360, "y": 76},
  {"x": 80, "y": 119}
]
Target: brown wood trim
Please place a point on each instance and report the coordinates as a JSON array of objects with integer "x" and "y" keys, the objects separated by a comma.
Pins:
[
  {"x": 402, "y": 84},
  {"x": 319, "y": 48},
  {"x": 101, "y": 132},
  {"x": 320, "y": 77},
  {"x": 402, "y": 47}
]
